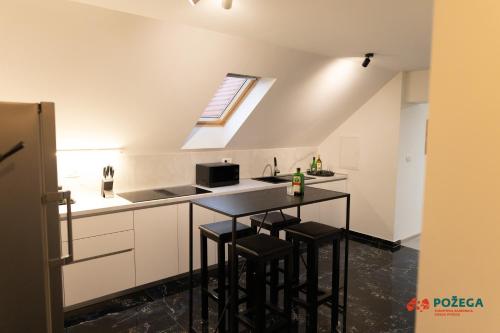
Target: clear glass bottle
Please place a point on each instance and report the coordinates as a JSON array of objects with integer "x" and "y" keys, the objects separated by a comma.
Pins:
[{"x": 319, "y": 164}]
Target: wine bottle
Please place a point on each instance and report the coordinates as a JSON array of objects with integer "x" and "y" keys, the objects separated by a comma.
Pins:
[
  {"x": 319, "y": 164},
  {"x": 314, "y": 165}
]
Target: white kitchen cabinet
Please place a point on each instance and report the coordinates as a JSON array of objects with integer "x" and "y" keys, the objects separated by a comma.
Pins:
[
  {"x": 219, "y": 218},
  {"x": 201, "y": 216},
  {"x": 100, "y": 245},
  {"x": 95, "y": 278},
  {"x": 310, "y": 212},
  {"x": 333, "y": 212},
  {"x": 307, "y": 212},
  {"x": 156, "y": 244},
  {"x": 98, "y": 225},
  {"x": 104, "y": 253}
]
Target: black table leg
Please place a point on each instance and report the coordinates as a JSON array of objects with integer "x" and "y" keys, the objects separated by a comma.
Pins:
[
  {"x": 204, "y": 279},
  {"x": 335, "y": 284},
  {"x": 191, "y": 267},
  {"x": 312, "y": 288},
  {"x": 346, "y": 265},
  {"x": 234, "y": 283},
  {"x": 298, "y": 212},
  {"x": 221, "y": 284},
  {"x": 275, "y": 277}
]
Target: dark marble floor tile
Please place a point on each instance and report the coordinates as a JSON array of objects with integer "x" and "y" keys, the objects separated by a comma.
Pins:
[
  {"x": 115, "y": 305},
  {"x": 381, "y": 282}
]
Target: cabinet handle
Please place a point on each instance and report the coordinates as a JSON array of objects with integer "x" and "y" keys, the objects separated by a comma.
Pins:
[{"x": 56, "y": 197}]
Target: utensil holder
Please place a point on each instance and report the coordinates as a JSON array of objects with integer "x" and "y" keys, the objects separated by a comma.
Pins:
[{"x": 107, "y": 188}]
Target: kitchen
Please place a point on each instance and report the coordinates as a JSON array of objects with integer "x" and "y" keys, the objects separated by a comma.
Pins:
[{"x": 217, "y": 165}]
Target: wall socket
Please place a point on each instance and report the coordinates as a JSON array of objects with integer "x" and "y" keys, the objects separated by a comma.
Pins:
[{"x": 227, "y": 160}]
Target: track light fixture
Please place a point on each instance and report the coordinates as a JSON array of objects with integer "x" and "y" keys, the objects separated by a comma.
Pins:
[
  {"x": 367, "y": 60},
  {"x": 227, "y": 4}
]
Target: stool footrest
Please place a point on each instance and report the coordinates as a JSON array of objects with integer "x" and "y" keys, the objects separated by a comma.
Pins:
[
  {"x": 213, "y": 293},
  {"x": 280, "y": 269},
  {"x": 299, "y": 286},
  {"x": 323, "y": 297},
  {"x": 246, "y": 318},
  {"x": 279, "y": 286},
  {"x": 329, "y": 304}
]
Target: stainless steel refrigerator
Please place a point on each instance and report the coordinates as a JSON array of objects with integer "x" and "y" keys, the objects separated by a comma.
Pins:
[{"x": 31, "y": 297}]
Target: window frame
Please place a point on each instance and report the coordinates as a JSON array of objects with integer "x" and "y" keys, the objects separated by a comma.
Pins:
[{"x": 235, "y": 103}]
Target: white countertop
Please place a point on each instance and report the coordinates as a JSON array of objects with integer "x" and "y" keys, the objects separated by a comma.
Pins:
[{"x": 89, "y": 204}]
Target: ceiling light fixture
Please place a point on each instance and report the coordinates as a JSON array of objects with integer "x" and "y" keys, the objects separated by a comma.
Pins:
[
  {"x": 227, "y": 4},
  {"x": 193, "y": 2},
  {"x": 367, "y": 60}
]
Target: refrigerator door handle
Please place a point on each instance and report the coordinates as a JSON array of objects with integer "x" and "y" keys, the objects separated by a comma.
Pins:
[
  {"x": 69, "y": 219},
  {"x": 58, "y": 196},
  {"x": 17, "y": 147}
]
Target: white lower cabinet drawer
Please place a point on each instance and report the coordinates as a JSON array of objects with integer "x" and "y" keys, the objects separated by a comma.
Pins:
[
  {"x": 95, "y": 278},
  {"x": 98, "y": 225},
  {"x": 100, "y": 245}
]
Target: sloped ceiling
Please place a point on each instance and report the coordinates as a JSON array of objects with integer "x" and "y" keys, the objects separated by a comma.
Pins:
[
  {"x": 399, "y": 31},
  {"x": 122, "y": 80}
]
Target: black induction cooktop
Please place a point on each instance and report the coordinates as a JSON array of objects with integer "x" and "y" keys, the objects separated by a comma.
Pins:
[{"x": 163, "y": 193}]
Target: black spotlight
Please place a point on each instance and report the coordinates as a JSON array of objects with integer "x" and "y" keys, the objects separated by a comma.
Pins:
[{"x": 367, "y": 60}]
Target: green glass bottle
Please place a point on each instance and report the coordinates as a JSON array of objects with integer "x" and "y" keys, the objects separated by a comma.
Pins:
[
  {"x": 298, "y": 183},
  {"x": 314, "y": 166}
]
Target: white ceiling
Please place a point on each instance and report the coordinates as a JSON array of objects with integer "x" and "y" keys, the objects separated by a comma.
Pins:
[{"x": 398, "y": 31}]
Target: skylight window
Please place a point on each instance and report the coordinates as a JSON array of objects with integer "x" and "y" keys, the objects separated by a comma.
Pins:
[
  {"x": 234, "y": 101},
  {"x": 230, "y": 94}
]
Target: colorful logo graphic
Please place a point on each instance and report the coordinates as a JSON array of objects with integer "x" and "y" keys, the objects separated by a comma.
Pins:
[
  {"x": 418, "y": 305},
  {"x": 446, "y": 306}
]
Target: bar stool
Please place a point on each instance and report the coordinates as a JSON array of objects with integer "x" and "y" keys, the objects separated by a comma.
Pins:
[
  {"x": 219, "y": 232},
  {"x": 260, "y": 250},
  {"x": 274, "y": 222},
  {"x": 315, "y": 235}
]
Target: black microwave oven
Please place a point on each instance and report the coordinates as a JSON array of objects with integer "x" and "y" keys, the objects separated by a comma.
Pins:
[{"x": 217, "y": 174}]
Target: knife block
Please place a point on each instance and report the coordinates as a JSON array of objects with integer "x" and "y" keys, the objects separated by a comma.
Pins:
[{"x": 107, "y": 188}]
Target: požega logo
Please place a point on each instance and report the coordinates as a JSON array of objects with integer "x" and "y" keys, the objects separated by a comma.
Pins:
[
  {"x": 444, "y": 306},
  {"x": 418, "y": 305}
]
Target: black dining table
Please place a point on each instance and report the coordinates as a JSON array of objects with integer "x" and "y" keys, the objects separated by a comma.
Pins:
[{"x": 255, "y": 202}]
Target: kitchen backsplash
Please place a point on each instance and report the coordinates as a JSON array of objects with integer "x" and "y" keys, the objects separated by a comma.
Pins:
[{"x": 82, "y": 170}]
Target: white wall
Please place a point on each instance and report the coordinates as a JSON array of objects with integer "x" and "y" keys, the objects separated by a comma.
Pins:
[
  {"x": 411, "y": 171},
  {"x": 416, "y": 86},
  {"x": 367, "y": 143},
  {"x": 82, "y": 170},
  {"x": 121, "y": 80}
]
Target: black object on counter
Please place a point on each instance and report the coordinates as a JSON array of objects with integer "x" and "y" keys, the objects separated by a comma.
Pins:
[
  {"x": 217, "y": 174},
  {"x": 321, "y": 173},
  {"x": 164, "y": 193}
]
